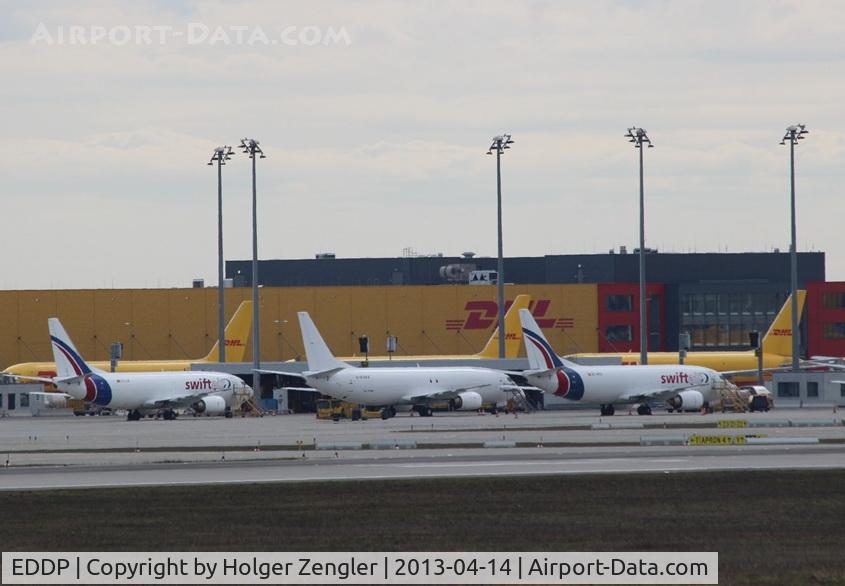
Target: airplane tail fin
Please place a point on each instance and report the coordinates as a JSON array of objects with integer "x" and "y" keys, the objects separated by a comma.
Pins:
[
  {"x": 319, "y": 357},
  {"x": 513, "y": 332},
  {"x": 69, "y": 363},
  {"x": 541, "y": 356},
  {"x": 778, "y": 340},
  {"x": 235, "y": 334}
]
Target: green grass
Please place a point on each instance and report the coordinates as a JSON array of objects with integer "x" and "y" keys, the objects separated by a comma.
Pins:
[{"x": 769, "y": 527}]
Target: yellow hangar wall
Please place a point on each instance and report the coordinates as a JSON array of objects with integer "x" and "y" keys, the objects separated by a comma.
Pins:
[{"x": 182, "y": 323}]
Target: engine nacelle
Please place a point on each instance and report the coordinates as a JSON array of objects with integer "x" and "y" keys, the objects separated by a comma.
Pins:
[
  {"x": 687, "y": 401},
  {"x": 468, "y": 401},
  {"x": 213, "y": 405}
]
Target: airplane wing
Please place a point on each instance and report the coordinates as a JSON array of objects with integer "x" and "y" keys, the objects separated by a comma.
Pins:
[
  {"x": 280, "y": 372},
  {"x": 327, "y": 372},
  {"x": 657, "y": 394},
  {"x": 442, "y": 395},
  {"x": 819, "y": 361},
  {"x": 177, "y": 400}
]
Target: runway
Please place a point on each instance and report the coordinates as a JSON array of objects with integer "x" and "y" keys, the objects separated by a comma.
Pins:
[
  {"x": 363, "y": 466},
  {"x": 87, "y": 452}
]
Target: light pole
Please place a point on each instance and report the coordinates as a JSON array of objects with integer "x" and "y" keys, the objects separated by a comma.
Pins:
[
  {"x": 250, "y": 147},
  {"x": 221, "y": 155},
  {"x": 499, "y": 144},
  {"x": 639, "y": 137},
  {"x": 793, "y": 135}
]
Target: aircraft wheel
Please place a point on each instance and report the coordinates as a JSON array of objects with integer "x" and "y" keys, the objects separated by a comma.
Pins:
[
  {"x": 385, "y": 414},
  {"x": 427, "y": 411},
  {"x": 610, "y": 410},
  {"x": 644, "y": 409}
]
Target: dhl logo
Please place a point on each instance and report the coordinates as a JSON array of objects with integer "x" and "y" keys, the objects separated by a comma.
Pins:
[
  {"x": 484, "y": 315},
  {"x": 782, "y": 332},
  {"x": 237, "y": 343}
]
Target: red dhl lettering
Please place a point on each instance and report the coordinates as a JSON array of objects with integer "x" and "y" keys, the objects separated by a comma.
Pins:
[
  {"x": 234, "y": 343},
  {"x": 484, "y": 315},
  {"x": 782, "y": 332},
  {"x": 198, "y": 385},
  {"x": 511, "y": 336},
  {"x": 680, "y": 377}
]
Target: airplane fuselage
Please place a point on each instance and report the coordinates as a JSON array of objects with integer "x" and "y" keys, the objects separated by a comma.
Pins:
[
  {"x": 395, "y": 386},
  {"x": 607, "y": 384},
  {"x": 134, "y": 390}
]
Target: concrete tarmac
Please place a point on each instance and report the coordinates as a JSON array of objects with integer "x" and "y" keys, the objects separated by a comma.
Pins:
[{"x": 74, "y": 452}]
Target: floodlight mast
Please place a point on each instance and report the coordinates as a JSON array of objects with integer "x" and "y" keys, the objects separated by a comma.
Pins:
[
  {"x": 220, "y": 156},
  {"x": 638, "y": 137},
  {"x": 793, "y": 134},
  {"x": 500, "y": 144},
  {"x": 250, "y": 147}
]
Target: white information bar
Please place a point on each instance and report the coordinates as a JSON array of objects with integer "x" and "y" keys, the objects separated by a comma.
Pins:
[{"x": 361, "y": 568}]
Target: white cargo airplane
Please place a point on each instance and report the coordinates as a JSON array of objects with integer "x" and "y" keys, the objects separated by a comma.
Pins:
[
  {"x": 138, "y": 392},
  {"x": 683, "y": 387},
  {"x": 467, "y": 388}
]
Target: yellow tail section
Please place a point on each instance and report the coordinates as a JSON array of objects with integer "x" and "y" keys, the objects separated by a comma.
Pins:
[
  {"x": 513, "y": 339},
  {"x": 778, "y": 339},
  {"x": 236, "y": 335}
]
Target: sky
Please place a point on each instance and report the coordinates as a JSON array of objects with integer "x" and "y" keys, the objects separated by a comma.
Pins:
[{"x": 375, "y": 118}]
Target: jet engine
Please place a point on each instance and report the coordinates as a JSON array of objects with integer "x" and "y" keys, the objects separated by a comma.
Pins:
[
  {"x": 687, "y": 401},
  {"x": 213, "y": 405},
  {"x": 468, "y": 401}
]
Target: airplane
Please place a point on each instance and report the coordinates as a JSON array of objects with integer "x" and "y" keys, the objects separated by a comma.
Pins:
[
  {"x": 777, "y": 350},
  {"x": 683, "y": 387},
  {"x": 467, "y": 388},
  {"x": 236, "y": 335},
  {"x": 140, "y": 393},
  {"x": 513, "y": 341}
]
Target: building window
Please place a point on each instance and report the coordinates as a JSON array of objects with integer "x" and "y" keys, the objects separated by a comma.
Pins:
[
  {"x": 788, "y": 390},
  {"x": 812, "y": 389},
  {"x": 1, "y": 398},
  {"x": 620, "y": 302},
  {"x": 24, "y": 399},
  {"x": 834, "y": 331},
  {"x": 842, "y": 390},
  {"x": 619, "y": 333},
  {"x": 833, "y": 300}
]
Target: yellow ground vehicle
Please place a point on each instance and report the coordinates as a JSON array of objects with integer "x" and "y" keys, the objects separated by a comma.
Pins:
[{"x": 336, "y": 410}]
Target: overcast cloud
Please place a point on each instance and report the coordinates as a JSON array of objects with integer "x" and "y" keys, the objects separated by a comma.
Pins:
[{"x": 375, "y": 117}]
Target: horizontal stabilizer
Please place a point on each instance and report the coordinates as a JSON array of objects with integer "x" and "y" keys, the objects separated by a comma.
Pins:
[{"x": 39, "y": 379}]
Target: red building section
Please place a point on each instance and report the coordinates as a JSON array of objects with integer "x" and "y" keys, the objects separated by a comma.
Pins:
[
  {"x": 619, "y": 317},
  {"x": 825, "y": 315}
]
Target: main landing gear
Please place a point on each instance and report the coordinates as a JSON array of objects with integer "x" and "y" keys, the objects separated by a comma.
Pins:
[
  {"x": 644, "y": 409},
  {"x": 607, "y": 409},
  {"x": 134, "y": 415},
  {"x": 424, "y": 410},
  {"x": 388, "y": 412}
]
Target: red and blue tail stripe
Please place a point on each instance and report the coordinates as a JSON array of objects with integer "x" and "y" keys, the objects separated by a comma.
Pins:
[
  {"x": 76, "y": 361},
  {"x": 97, "y": 389},
  {"x": 570, "y": 384}
]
